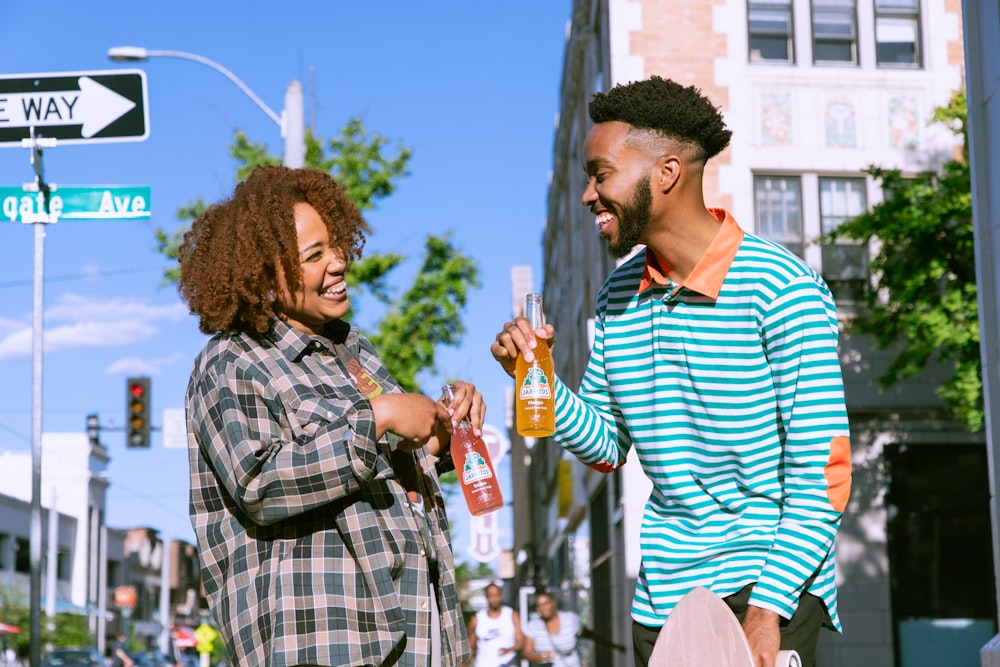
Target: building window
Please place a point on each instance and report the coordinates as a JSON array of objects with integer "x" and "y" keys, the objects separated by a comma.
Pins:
[
  {"x": 64, "y": 565},
  {"x": 5, "y": 544},
  {"x": 897, "y": 33},
  {"x": 780, "y": 217},
  {"x": 845, "y": 263},
  {"x": 778, "y": 210},
  {"x": 770, "y": 31},
  {"x": 22, "y": 555},
  {"x": 835, "y": 31}
]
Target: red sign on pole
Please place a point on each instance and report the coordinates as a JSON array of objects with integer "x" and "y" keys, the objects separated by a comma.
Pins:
[{"x": 125, "y": 596}]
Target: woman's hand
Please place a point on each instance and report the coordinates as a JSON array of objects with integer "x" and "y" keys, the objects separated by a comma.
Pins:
[
  {"x": 414, "y": 417},
  {"x": 466, "y": 402}
]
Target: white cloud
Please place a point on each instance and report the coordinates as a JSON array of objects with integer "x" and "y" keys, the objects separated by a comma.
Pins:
[
  {"x": 82, "y": 322},
  {"x": 132, "y": 366},
  {"x": 76, "y": 308},
  {"x": 9, "y": 326}
]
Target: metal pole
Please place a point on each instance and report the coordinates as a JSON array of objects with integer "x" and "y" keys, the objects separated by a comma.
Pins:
[
  {"x": 293, "y": 128},
  {"x": 983, "y": 104},
  {"x": 291, "y": 121},
  {"x": 165, "y": 619},
  {"x": 52, "y": 571},
  {"x": 36, "y": 144}
]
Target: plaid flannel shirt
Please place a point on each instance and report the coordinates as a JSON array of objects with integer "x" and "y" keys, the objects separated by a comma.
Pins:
[{"x": 310, "y": 551}]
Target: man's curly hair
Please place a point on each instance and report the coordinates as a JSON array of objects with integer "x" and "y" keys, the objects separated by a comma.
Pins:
[
  {"x": 234, "y": 253},
  {"x": 668, "y": 108}
]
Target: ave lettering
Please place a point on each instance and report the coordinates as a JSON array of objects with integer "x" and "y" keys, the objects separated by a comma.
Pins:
[{"x": 123, "y": 204}]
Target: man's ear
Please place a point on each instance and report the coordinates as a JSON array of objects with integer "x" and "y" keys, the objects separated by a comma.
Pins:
[{"x": 666, "y": 173}]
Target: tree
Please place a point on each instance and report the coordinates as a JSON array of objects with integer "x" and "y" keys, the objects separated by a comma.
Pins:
[
  {"x": 68, "y": 629},
  {"x": 428, "y": 313},
  {"x": 924, "y": 302}
]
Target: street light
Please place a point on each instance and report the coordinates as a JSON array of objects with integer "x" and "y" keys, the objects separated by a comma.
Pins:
[{"x": 290, "y": 121}]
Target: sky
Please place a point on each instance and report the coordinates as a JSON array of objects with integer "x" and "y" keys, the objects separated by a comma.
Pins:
[{"x": 472, "y": 88}]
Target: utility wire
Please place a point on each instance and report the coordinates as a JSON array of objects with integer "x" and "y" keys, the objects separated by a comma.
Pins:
[{"x": 80, "y": 276}]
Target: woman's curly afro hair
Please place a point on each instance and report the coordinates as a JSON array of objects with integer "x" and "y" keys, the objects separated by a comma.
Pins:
[
  {"x": 234, "y": 253},
  {"x": 674, "y": 111}
]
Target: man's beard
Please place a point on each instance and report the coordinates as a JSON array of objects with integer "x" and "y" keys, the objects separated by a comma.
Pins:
[{"x": 633, "y": 220}]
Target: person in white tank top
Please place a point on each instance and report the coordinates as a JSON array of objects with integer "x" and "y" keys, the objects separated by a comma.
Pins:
[{"x": 494, "y": 633}]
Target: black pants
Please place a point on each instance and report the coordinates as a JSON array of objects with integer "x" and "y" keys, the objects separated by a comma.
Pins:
[{"x": 800, "y": 633}]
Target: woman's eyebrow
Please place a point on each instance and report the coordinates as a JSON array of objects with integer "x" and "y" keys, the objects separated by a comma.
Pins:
[{"x": 309, "y": 247}]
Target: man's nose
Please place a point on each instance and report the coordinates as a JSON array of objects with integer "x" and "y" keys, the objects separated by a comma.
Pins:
[{"x": 589, "y": 193}]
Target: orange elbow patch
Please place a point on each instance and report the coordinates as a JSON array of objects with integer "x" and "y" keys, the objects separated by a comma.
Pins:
[
  {"x": 838, "y": 473},
  {"x": 603, "y": 467}
]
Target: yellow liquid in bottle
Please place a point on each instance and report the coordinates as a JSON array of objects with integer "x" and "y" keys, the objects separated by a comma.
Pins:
[{"x": 534, "y": 395}]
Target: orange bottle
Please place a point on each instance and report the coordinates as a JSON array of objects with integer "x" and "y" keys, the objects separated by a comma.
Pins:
[
  {"x": 534, "y": 397},
  {"x": 473, "y": 466}
]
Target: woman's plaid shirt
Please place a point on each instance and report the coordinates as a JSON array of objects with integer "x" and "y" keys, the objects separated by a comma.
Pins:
[{"x": 310, "y": 551}]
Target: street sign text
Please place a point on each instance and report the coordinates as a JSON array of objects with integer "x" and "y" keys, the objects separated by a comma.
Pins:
[
  {"x": 74, "y": 107},
  {"x": 76, "y": 202}
]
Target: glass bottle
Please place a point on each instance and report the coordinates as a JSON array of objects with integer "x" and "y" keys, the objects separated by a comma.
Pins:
[
  {"x": 533, "y": 394},
  {"x": 473, "y": 466}
]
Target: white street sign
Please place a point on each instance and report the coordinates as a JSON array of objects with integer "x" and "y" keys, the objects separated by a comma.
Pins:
[{"x": 74, "y": 107}]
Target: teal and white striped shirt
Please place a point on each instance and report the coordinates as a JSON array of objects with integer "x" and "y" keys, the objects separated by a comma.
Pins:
[{"x": 729, "y": 387}]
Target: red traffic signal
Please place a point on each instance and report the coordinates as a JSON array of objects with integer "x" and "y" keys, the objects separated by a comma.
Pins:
[{"x": 137, "y": 412}]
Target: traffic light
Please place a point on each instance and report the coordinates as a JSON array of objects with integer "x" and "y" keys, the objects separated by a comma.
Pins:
[{"x": 137, "y": 412}]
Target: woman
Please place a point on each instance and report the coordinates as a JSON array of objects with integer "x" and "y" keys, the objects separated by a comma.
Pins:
[
  {"x": 314, "y": 494},
  {"x": 550, "y": 638}
]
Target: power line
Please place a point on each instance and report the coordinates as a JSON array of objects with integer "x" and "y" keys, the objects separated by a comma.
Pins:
[
  {"x": 78, "y": 276},
  {"x": 16, "y": 434}
]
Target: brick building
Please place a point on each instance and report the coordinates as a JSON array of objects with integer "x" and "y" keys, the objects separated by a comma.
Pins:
[{"x": 815, "y": 91}]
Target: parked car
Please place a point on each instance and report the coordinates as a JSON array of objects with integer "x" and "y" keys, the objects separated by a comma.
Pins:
[
  {"x": 74, "y": 657},
  {"x": 151, "y": 659}
]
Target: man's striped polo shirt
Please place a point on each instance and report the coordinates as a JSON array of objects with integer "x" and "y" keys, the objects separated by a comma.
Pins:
[{"x": 729, "y": 387}]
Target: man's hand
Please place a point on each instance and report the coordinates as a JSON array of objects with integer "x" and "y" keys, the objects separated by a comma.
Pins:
[
  {"x": 761, "y": 626},
  {"x": 518, "y": 338}
]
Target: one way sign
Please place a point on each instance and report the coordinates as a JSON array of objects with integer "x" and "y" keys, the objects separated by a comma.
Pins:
[{"x": 74, "y": 107}]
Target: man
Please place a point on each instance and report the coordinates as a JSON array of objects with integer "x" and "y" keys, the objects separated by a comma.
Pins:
[
  {"x": 715, "y": 357},
  {"x": 495, "y": 632},
  {"x": 119, "y": 658}
]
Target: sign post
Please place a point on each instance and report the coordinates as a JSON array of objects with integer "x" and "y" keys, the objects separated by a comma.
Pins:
[
  {"x": 205, "y": 635},
  {"x": 39, "y": 111}
]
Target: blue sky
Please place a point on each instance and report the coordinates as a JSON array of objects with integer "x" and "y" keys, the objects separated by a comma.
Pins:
[{"x": 471, "y": 87}]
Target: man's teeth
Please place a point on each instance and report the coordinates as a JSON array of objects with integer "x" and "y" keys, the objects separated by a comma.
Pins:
[
  {"x": 337, "y": 289},
  {"x": 603, "y": 219}
]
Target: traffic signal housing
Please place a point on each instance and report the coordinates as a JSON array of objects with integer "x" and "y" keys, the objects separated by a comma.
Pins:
[{"x": 137, "y": 412}]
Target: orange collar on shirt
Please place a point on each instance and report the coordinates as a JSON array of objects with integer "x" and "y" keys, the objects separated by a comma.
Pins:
[{"x": 708, "y": 274}]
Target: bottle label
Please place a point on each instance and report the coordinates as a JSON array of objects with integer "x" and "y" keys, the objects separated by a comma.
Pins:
[
  {"x": 535, "y": 385},
  {"x": 475, "y": 468}
]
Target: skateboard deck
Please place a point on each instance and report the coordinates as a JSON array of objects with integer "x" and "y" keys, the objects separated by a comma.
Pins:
[{"x": 702, "y": 631}]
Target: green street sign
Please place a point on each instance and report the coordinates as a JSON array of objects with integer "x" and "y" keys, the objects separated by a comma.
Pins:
[{"x": 76, "y": 202}]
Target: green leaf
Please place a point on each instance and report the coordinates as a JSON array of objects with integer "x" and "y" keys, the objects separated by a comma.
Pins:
[{"x": 924, "y": 302}]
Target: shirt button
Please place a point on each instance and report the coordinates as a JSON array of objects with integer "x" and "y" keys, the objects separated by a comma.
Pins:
[
  {"x": 423, "y": 605},
  {"x": 423, "y": 553},
  {"x": 329, "y": 415}
]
